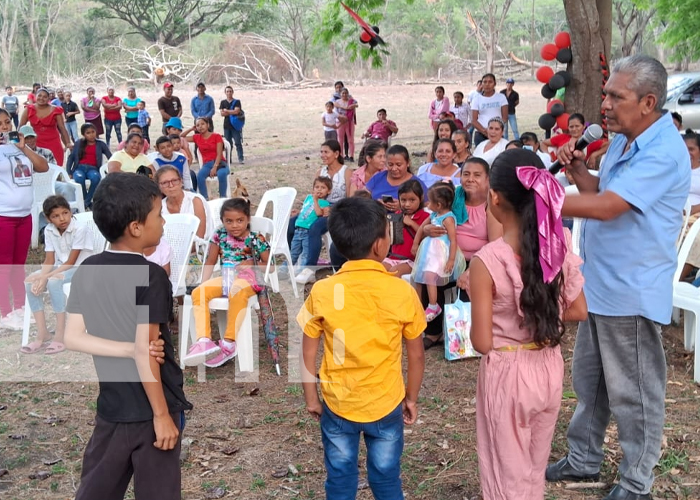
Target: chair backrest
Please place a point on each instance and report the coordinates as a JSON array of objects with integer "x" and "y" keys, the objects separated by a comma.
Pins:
[
  {"x": 263, "y": 225},
  {"x": 103, "y": 170},
  {"x": 179, "y": 232},
  {"x": 685, "y": 250},
  {"x": 686, "y": 220},
  {"x": 44, "y": 183},
  {"x": 214, "y": 212},
  {"x": 282, "y": 200},
  {"x": 98, "y": 240}
]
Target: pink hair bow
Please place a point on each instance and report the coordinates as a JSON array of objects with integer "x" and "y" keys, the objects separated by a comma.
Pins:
[{"x": 549, "y": 198}]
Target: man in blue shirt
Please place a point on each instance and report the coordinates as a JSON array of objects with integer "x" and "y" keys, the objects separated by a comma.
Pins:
[
  {"x": 634, "y": 214},
  {"x": 202, "y": 105}
]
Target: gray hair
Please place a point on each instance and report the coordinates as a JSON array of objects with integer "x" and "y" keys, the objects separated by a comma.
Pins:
[{"x": 648, "y": 77}]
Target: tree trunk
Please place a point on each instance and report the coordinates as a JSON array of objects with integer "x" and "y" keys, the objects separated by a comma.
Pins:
[{"x": 590, "y": 38}]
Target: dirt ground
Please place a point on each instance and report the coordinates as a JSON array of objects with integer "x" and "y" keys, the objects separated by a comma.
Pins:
[{"x": 250, "y": 437}]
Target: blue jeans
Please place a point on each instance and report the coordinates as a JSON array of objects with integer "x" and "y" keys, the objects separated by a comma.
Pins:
[
  {"x": 300, "y": 244},
  {"x": 513, "y": 125},
  {"x": 314, "y": 240},
  {"x": 341, "y": 442},
  {"x": 83, "y": 173},
  {"x": 72, "y": 128},
  {"x": 55, "y": 288},
  {"x": 129, "y": 121},
  {"x": 117, "y": 126},
  {"x": 221, "y": 174},
  {"x": 15, "y": 120},
  {"x": 234, "y": 136}
]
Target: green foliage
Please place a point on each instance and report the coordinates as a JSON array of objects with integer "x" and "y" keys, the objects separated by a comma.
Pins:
[{"x": 681, "y": 19}]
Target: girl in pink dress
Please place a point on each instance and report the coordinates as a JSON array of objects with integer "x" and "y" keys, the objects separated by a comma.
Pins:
[{"x": 522, "y": 287}]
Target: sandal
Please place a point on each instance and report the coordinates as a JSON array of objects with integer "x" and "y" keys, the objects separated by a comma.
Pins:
[
  {"x": 54, "y": 348},
  {"x": 34, "y": 347},
  {"x": 428, "y": 342}
]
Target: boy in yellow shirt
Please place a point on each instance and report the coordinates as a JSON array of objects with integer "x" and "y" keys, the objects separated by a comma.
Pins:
[{"x": 363, "y": 312}]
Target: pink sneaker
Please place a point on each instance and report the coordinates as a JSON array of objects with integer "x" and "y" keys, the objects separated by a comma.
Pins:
[
  {"x": 432, "y": 312},
  {"x": 199, "y": 352},
  {"x": 225, "y": 354}
]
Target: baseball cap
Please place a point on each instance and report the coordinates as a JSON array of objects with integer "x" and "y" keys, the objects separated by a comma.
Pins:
[
  {"x": 174, "y": 122},
  {"x": 27, "y": 131},
  {"x": 510, "y": 80},
  {"x": 168, "y": 84}
]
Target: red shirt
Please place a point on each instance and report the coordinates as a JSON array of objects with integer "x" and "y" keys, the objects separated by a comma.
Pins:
[
  {"x": 404, "y": 249},
  {"x": 90, "y": 156},
  {"x": 208, "y": 146},
  {"x": 112, "y": 114}
]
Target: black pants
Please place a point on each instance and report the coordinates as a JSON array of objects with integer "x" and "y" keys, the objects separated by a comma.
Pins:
[{"x": 118, "y": 451}]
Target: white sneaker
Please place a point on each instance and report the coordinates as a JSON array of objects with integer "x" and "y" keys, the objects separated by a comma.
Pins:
[
  {"x": 19, "y": 313},
  {"x": 12, "y": 322},
  {"x": 305, "y": 276}
]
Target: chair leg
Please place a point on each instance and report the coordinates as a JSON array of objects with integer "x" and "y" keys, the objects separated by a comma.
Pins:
[
  {"x": 696, "y": 367},
  {"x": 185, "y": 327},
  {"x": 244, "y": 340},
  {"x": 287, "y": 255},
  {"x": 676, "y": 316},
  {"x": 25, "y": 323},
  {"x": 689, "y": 326}
]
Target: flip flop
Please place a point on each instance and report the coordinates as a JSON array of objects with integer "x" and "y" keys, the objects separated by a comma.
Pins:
[
  {"x": 54, "y": 348},
  {"x": 34, "y": 347},
  {"x": 428, "y": 342}
]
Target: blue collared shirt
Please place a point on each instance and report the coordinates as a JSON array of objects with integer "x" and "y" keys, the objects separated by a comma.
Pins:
[
  {"x": 629, "y": 261},
  {"x": 203, "y": 108}
]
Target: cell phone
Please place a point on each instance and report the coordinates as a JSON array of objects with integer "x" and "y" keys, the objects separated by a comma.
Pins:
[
  {"x": 387, "y": 198},
  {"x": 13, "y": 137}
]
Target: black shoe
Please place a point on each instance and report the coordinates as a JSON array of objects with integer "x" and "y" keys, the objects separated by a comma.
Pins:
[
  {"x": 351, "y": 159},
  {"x": 346, "y": 158},
  {"x": 563, "y": 471},
  {"x": 620, "y": 493}
]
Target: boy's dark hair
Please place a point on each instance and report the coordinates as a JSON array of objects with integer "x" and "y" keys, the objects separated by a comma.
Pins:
[
  {"x": 326, "y": 181},
  {"x": 331, "y": 103},
  {"x": 529, "y": 137},
  {"x": 239, "y": 204},
  {"x": 412, "y": 186},
  {"x": 173, "y": 137},
  {"x": 342, "y": 85},
  {"x": 162, "y": 140},
  {"x": 141, "y": 102},
  {"x": 355, "y": 224},
  {"x": 539, "y": 301},
  {"x": 120, "y": 199},
  {"x": 9, "y": 87},
  {"x": 675, "y": 115},
  {"x": 362, "y": 194},
  {"x": 52, "y": 203},
  {"x": 515, "y": 142},
  {"x": 443, "y": 193},
  {"x": 459, "y": 93}
]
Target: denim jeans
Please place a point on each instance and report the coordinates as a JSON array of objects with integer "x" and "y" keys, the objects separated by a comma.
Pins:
[
  {"x": 234, "y": 136},
  {"x": 316, "y": 232},
  {"x": 90, "y": 173},
  {"x": 117, "y": 126},
  {"x": 72, "y": 128},
  {"x": 221, "y": 174},
  {"x": 129, "y": 121},
  {"x": 300, "y": 245},
  {"x": 15, "y": 119},
  {"x": 619, "y": 369},
  {"x": 55, "y": 288},
  {"x": 478, "y": 138},
  {"x": 512, "y": 123},
  {"x": 341, "y": 443}
]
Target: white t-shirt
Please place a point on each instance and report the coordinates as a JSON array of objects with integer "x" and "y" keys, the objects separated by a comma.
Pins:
[
  {"x": 75, "y": 237},
  {"x": 489, "y": 107},
  {"x": 472, "y": 95},
  {"x": 162, "y": 255},
  {"x": 330, "y": 118},
  {"x": 694, "y": 195},
  {"x": 491, "y": 154},
  {"x": 547, "y": 160},
  {"x": 462, "y": 113},
  {"x": 16, "y": 179}
]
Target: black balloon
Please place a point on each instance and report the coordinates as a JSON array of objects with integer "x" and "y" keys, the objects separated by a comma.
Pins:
[
  {"x": 566, "y": 76},
  {"x": 556, "y": 82},
  {"x": 547, "y": 92},
  {"x": 546, "y": 121},
  {"x": 564, "y": 56},
  {"x": 557, "y": 110}
]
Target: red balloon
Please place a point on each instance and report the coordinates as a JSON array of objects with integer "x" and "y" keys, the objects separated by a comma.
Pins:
[
  {"x": 562, "y": 40},
  {"x": 544, "y": 73},
  {"x": 552, "y": 103},
  {"x": 549, "y": 52},
  {"x": 365, "y": 37},
  {"x": 563, "y": 121}
]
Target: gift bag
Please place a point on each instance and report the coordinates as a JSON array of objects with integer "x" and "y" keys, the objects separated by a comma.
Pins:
[{"x": 458, "y": 323}]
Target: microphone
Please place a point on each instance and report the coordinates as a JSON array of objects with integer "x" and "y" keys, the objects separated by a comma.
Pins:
[{"x": 592, "y": 134}]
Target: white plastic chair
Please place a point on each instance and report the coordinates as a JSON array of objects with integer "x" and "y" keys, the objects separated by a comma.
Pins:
[
  {"x": 282, "y": 200},
  {"x": 104, "y": 170},
  {"x": 44, "y": 185},
  {"x": 98, "y": 245},
  {"x": 211, "y": 180},
  {"x": 179, "y": 232},
  {"x": 687, "y": 297},
  {"x": 244, "y": 336}
]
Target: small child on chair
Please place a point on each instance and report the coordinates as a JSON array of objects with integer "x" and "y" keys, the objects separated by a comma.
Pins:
[{"x": 311, "y": 210}]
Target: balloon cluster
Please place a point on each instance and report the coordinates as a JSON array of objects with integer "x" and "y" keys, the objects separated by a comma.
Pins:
[
  {"x": 561, "y": 51},
  {"x": 366, "y": 37}
]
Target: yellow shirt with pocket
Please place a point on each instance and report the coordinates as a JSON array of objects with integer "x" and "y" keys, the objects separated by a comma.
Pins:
[{"x": 363, "y": 312}]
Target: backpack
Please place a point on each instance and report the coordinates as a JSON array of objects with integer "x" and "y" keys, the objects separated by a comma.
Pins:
[{"x": 237, "y": 121}]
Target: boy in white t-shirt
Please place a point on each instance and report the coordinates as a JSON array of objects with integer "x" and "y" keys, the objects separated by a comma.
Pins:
[
  {"x": 330, "y": 121},
  {"x": 67, "y": 244}
]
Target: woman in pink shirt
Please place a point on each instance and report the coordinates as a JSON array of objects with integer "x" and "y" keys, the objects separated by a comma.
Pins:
[
  {"x": 91, "y": 110},
  {"x": 375, "y": 158},
  {"x": 441, "y": 104},
  {"x": 346, "y": 108}
]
